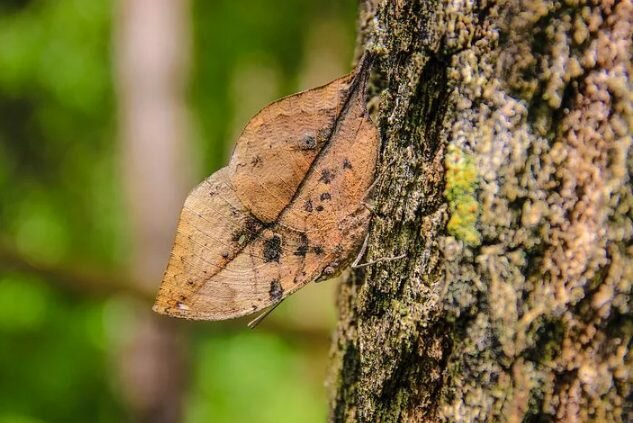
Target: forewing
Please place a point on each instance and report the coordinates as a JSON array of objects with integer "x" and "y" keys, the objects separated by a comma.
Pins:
[
  {"x": 279, "y": 145},
  {"x": 329, "y": 210}
]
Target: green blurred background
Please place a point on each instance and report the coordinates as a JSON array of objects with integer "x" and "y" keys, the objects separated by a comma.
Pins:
[{"x": 77, "y": 342}]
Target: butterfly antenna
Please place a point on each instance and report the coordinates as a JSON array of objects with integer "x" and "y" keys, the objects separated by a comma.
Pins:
[{"x": 257, "y": 320}]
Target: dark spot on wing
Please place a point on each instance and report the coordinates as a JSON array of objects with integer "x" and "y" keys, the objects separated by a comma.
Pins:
[
  {"x": 276, "y": 291},
  {"x": 326, "y": 196},
  {"x": 347, "y": 164},
  {"x": 251, "y": 228},
  {"x": 308, "y": 142},
  {"x": 190, "y": 282},
  {"x": 302, "y": 248},
  {"x": 318, "y": 250},
  {"x": 307, "y": 206},
  {"x": 327, "y": 176},
  {"x": 253, "y": 225},
  {"x": 256, "y": 161},
  {"x": 225, "y": 255},
  {"x": 319, "y": 208},
  {"x": 272, "y": 249}
]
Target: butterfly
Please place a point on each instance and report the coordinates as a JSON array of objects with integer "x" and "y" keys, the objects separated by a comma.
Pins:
[{"x": 286, "y": 211}]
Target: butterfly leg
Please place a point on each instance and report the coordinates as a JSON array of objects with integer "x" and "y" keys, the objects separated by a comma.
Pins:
[
  {"x": 365, "y": 202},
  {"x": 371, "y": 187},
  {"x": 361, "y": 253},
  {"x": 369, "y": 208},
  {"x": 379, "y": 260}
]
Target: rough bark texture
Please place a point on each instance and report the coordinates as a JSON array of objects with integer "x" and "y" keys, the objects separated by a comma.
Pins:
[{"x": 505, "y": 177}]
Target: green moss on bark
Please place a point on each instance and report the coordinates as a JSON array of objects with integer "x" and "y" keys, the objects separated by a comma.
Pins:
[{"x": 461, "y": 183}]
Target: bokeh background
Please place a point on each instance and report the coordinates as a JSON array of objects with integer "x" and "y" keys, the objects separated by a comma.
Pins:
[{"x": 110, "y": 111}]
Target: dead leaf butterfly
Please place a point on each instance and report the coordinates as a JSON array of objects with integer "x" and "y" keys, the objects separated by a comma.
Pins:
[{"x": 286, "y": 211}]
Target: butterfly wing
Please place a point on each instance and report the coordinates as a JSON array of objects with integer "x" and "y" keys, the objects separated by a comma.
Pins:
[
  {"x": 280, "y": 144},
  {"x": 252, "y": 234}
]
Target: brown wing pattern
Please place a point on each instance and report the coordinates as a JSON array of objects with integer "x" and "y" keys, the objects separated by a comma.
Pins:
[
  {"x": 279, "y": 144},
  {"x": 286, "y": 211}
]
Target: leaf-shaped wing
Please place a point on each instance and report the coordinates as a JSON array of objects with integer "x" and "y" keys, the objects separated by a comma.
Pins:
[
  {"x": 279, "y": 145},
  {"x": 282, "y": 214}
]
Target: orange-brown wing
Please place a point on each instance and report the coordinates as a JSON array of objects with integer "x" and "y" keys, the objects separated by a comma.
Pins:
[
  {"x": 214, "y": 229},
  {"x": 328, "y": 209},
  {"x": 256, "y": 278},
  {"x": 280, "y": 143},
  {"x": 225, "y": 263},
  {"x": 228, "y": 260}
]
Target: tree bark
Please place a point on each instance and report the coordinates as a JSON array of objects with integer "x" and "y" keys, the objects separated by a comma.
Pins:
[{"x": 505, "y": 178}]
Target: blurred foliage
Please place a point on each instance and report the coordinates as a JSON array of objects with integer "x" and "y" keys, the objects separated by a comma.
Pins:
[
  {"x": 253, "y": 377},
  {"x": 56, "y": 130},
  {"x": 228, "y": 32},
  {"x": 53, "y": 356},
  {"x": 61, "y": 199}
]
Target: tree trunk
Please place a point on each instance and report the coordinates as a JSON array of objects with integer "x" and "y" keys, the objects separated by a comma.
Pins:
[{"x": 505, "y": 178}]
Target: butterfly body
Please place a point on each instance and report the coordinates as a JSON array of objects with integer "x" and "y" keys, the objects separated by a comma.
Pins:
[{"x": 286, "y": 211}]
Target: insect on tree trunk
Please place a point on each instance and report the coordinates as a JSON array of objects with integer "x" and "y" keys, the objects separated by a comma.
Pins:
[{"x": 505, "y": 178}]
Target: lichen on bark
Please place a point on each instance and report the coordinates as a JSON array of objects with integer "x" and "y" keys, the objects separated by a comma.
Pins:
[{"x": 514, "y": 303}]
